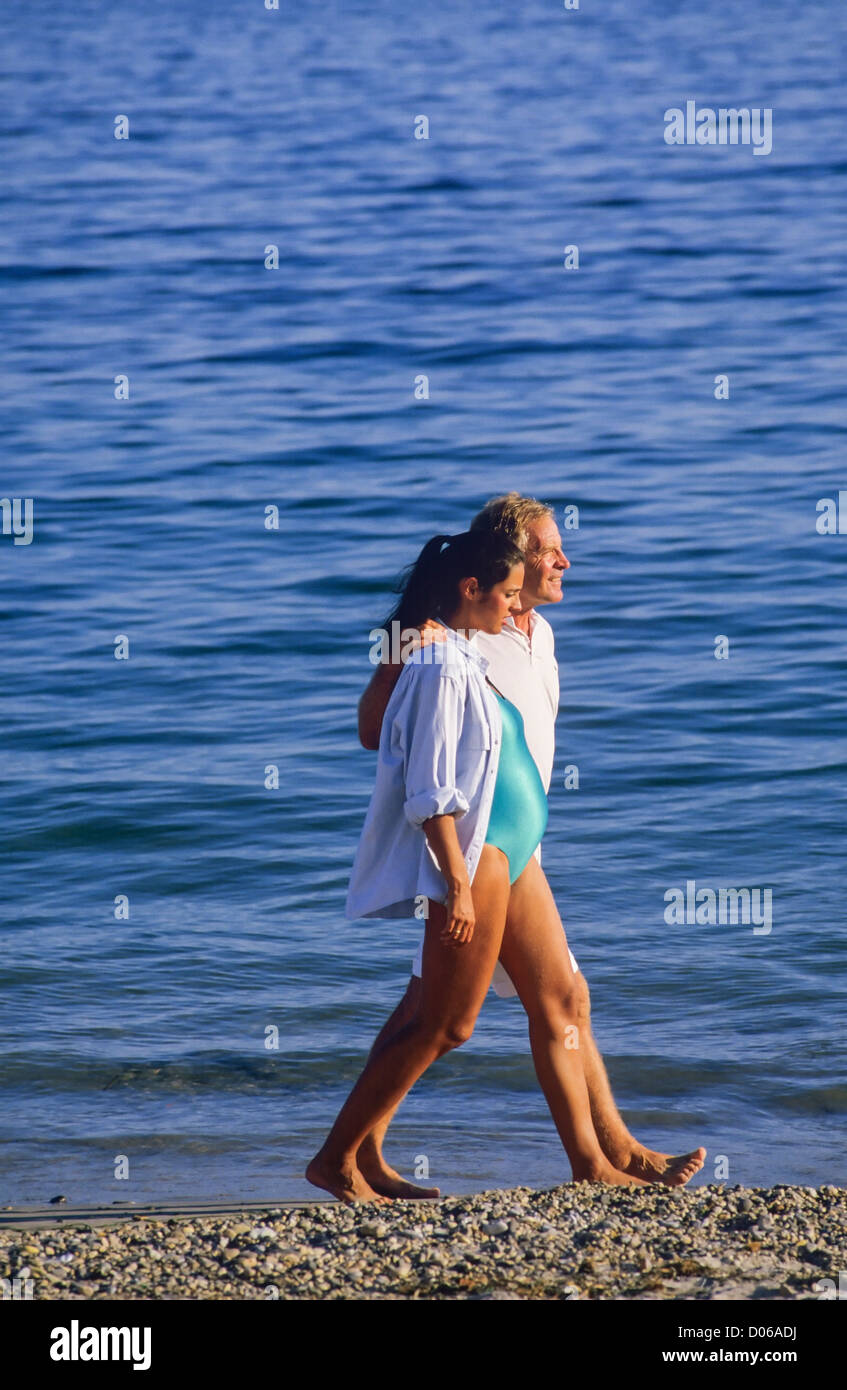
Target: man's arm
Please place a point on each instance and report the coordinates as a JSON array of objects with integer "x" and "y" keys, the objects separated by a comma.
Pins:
[
  {"x": 382, "y": 682},
  {"x": 373, "y": 702}
]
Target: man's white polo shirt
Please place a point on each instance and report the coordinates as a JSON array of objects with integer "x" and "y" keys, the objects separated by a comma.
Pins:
[{"x": 525, "y": 670}]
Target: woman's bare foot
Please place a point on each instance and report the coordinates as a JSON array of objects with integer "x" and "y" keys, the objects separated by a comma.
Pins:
[
  {"x": 604, "y": 1172},
  {"x": 385, "y": 1179},
  {"x": 664, "y": 1168},
  {"x": 344, "y": 1182}
]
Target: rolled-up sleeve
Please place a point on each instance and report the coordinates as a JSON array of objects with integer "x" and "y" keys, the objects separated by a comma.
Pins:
[{"x": 429, "y": 722}]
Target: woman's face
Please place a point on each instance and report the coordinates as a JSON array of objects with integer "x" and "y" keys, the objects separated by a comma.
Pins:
[{"x": 492, "y": 606}]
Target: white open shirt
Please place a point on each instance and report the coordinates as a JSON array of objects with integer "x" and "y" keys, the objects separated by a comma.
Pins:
[{"x": 439, "y": 750}]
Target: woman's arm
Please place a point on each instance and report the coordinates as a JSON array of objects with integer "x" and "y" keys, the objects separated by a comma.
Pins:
[{"x": 440, "y": 831}]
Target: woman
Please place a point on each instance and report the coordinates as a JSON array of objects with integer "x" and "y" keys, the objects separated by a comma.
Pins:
[{"x": 457, "y": 812}]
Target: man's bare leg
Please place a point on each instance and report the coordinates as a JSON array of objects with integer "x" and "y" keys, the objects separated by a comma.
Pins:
[
  {"x": 537, "y": 962},
  {"x": 616, "y": 1141},
  {"x": 534, "y": 917}
]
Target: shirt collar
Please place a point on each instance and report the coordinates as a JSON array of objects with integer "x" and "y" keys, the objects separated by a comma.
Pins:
[
  {"x": 467, "y": 645},
  {"x": 510, "y": 623}
]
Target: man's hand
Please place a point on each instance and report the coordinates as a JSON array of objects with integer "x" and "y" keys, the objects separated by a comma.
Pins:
[{"x": 431, "y": 631}]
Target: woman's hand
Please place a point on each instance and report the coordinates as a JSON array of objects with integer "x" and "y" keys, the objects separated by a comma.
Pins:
[
  {"x": 459, "y": 926},
  {"x": 440, "y": 831}
]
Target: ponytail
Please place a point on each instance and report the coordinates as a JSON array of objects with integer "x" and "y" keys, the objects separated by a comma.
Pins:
[{"x": 428, "y": 587}]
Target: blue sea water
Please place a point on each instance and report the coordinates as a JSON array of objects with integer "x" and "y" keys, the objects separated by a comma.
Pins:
[{"x": 294, "y": 389}]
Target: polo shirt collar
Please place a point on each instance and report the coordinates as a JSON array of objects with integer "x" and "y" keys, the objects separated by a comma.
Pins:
[{"x": 510, "y": 623}]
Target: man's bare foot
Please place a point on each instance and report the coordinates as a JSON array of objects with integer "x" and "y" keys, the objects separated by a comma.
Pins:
[
  {"x": 604, "y": 1172},
  {"x": 385, "y": 1179},
  {"x": 664, "y": 1168},
  {"x": 344, "y": 1182}
]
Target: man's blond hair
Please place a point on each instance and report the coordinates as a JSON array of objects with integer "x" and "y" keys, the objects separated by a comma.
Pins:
[{"x": 512, "y": 514}]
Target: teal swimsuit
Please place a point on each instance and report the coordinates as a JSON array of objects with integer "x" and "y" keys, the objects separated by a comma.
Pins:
[{"x": 519, "y": 809}]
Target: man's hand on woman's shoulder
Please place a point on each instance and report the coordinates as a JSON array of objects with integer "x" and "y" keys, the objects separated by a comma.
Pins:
[{"x": 415, "y": 639}]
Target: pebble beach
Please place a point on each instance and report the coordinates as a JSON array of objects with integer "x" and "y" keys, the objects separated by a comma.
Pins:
[{"x": 577, "y": 1241}]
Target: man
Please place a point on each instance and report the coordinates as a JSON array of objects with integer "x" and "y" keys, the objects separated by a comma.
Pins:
[{"x": 524, "y": 669}]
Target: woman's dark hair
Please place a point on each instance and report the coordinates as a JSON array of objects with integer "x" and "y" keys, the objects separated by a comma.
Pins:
[{"x": 428, "y": 587}]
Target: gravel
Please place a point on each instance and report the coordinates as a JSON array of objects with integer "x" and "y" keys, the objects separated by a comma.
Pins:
[{"x": 578, "y": 1241}]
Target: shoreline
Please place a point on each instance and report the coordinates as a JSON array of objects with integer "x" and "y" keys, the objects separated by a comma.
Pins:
[
  {"x": 577, "y": 1241},
  {"x": 43, "y": 1217}
]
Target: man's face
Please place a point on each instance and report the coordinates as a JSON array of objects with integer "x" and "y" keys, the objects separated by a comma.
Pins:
[{"x": 545, "y": 564}]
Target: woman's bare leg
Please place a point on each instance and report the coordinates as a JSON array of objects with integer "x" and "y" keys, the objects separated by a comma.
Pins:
[
  {"x": 370, "y": 1159},
  {"x": 454, "y": 983}
]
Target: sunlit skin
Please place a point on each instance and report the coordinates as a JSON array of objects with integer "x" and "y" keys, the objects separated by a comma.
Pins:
[
  {"x": 534, "y": 947},
  {"x": 463, "y": 939},
  {"x": 486, "y": 610},
  {"x": 480, "y": 610},
  {"x": 471, "y": 924},
  {"x": 546, "y": 563}
]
